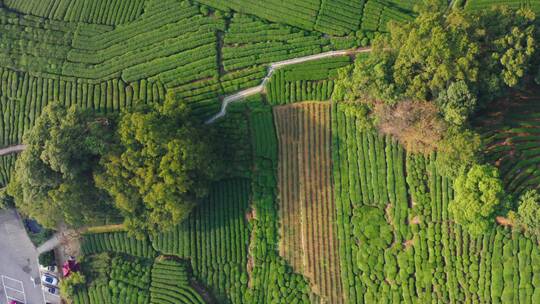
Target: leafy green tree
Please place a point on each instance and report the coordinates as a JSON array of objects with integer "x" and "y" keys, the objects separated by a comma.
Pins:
[
  {"x": 528, "y": 212},
  {"x": 161, "y": 167},
  {"x": 507, "y": 37},
  {"x": 53, "y": 180},
  {"x": 516, "y": 47},
  {"x": 457, "y": 103},
  {"x": 478, "y": 195},
  {"x": 458, "y": 151},
  {"x": 371, "y": 78},
  {"x": 432, "y": 52},
  {"x": 46, "y": 258},
  {"x": 415, "y": 60}
]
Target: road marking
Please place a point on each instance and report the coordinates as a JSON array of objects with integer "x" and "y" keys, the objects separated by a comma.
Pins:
[
  {"x": 17, "y": 291},
  {"x": 39, "y": 278},
  {"x": 6, "y": 278}
]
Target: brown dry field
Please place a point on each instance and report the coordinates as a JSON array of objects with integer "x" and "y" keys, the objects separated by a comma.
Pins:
[{"x": 307, "y": 212}]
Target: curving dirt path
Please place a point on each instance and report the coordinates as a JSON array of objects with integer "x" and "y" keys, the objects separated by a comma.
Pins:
[
  {"x": 12, "y": 149},
  {"x": 274, "y": 66}
]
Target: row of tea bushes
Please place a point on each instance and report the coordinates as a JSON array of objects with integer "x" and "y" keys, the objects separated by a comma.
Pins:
[
  {"x": 170, "y": 284},
  {"x": 109, "y": 12},
  {"x": 116, "y": 242}
]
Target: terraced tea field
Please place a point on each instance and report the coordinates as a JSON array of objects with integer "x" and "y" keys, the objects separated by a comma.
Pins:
[
  {"x": 513, "y": 142},
  {"x": 534, "y": 5},
  {"x": 395, "y": 231},
  {"x": 309, "y": 205}
]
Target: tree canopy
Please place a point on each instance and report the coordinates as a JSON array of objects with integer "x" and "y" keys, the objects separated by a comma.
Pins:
[
  {"x": 457, "y": 103},
  {"x": 160, "y": 168},
  {"x": 528, "y": 212},
  {"x": 53, "y": 180},
  {"x": 463, "y": 55},
  {"x": 478, "y": 194},
  {"x": 458, "y": 150}
]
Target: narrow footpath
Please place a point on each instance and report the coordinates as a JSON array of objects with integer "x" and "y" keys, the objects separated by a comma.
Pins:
[
  {"x": 12, "y": 149},
  {"x": 274, "y": 66}
]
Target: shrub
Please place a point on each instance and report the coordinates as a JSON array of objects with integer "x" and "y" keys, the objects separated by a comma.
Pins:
[
  {"x": 47, "y": 258},
  {"x": 70, "y": 285}
]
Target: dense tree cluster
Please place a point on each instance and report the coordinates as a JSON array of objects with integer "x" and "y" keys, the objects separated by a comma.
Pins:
[
  {"x": 458, "y": 61},
  {"x": 154, "y": 165},
  {"x": 160, "y": 168},
  {"x": 53, "y": 180},
  {"x": 457, "y": 57}
]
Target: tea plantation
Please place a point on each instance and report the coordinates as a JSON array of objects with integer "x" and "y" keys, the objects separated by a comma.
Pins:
[{"x": 319, "y": 195}]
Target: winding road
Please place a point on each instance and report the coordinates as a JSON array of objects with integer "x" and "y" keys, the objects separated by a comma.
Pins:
[{"x": 274, "y": 66}]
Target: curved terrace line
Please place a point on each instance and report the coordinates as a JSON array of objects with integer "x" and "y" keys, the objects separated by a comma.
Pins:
[
  {"x": 244, "y": 93},
  {"x": 273, "y": 67}
]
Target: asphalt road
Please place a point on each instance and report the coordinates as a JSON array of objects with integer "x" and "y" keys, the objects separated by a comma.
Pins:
[{"x": 18, "y": 262}]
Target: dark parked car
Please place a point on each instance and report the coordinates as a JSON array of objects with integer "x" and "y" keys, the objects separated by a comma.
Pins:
[{"x": 51, "y": 290}]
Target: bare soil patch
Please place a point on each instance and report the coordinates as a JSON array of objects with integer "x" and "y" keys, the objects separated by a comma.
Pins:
[{"x": 307, "y": 224}]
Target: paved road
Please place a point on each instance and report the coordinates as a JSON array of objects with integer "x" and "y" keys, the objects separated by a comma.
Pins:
[
  {"x": 274, "y": 66},
  {"x": 12, "y": 149},
  {"x": 18, "y": 261}
]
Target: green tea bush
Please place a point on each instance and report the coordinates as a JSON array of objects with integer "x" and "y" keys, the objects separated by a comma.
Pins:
[
  {"x": 171, "y": 283},
  {"x": 116, "y": 242}
]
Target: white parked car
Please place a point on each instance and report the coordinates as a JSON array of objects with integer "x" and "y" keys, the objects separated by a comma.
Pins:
[
  {"x": 52, "y": 269},
  {"x": 51, "y": 290},
  {"x": 50, "y": 280}
]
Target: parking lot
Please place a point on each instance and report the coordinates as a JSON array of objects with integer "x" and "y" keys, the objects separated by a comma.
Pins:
[
  {"x": 19, "y": 272},
  {"x": 13, "y": 289}
]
